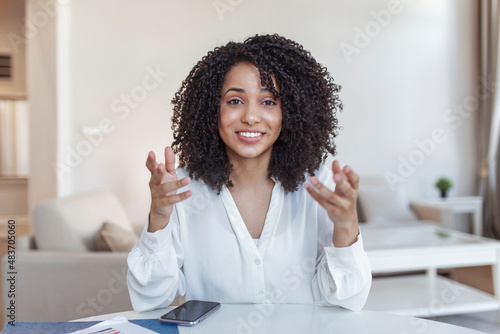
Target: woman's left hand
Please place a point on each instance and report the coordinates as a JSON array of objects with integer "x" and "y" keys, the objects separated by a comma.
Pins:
[{"x": 340, "y": 204}]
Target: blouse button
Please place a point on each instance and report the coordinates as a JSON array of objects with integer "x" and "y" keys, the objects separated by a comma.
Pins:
[{"x": 257, "y": 261}]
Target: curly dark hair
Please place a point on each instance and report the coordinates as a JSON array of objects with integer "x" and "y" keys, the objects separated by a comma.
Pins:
[{"x": 309, "y": 103}]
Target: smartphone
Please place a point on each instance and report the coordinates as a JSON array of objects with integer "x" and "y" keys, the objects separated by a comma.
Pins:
[{"x": 190, "y": 313}]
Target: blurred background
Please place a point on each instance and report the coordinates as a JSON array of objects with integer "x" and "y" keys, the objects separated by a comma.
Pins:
[
  {"x": 86, "y": 87},
  {"x": 85, "y": 91}
]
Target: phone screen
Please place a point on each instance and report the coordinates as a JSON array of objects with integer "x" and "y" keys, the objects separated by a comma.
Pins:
[{"x": 190, "y": 313}]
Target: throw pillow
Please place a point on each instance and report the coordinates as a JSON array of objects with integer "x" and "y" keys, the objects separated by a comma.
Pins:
[
  {"x": 114, "y": 238},
  {"x": 380, "y": 203}
]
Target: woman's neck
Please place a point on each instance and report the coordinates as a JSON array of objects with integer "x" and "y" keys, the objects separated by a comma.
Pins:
[{"x": 250, "y": 173}]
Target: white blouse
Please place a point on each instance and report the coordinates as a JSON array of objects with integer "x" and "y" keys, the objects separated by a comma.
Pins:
[{"x": 207, "y": 253}]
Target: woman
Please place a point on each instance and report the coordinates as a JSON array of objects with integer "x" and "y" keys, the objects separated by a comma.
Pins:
[{"x": 236, "y": 222}]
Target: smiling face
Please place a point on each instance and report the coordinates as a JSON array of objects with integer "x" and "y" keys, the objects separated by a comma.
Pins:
[{"x": 250, "y": 116}]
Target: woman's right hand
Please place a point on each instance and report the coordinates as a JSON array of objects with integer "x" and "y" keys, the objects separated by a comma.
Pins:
[{"x": 163, "y": 185}]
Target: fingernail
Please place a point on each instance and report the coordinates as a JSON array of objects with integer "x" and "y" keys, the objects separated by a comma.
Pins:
[
  {"x": 347, "y": 169},
  {"x": 306, "y": 185},
  {"x": 313, "y": 180},
  {"x": 185, "y": 181}
]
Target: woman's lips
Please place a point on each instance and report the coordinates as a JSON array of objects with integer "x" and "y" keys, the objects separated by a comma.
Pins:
[{"x": 250, "y": 136}]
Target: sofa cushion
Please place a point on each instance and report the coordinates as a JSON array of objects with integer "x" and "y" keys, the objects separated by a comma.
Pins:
[
  {"x": 379, "y": 202},
  {"x": 114, "y": 238},
  {"x": 70, "y": 223}
]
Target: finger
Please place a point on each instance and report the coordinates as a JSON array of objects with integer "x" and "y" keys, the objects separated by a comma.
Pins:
[
  {"x": 342, "y": 181},
  {"x": 169, "y": 188},
  {"x": 344, "y": 187},
  {"x": 158, "y": 175},
  {"x": 174, "y": 199},
  {"x": 337, "y": 171},
  {"x": 169, "y": 160},
  {"x": 151, "y": 163},
  {"x": 331, "y": 203},
  {"x": 352, "y": 176},
  {"x": 336, "y": 167},
  {"x": 321, "y": 188},
  {"x": 314, "y": 192},
  {"x": 323, "y": 191}
]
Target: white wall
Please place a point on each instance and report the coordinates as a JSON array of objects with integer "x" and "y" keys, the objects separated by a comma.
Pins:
[
  {"x": 397, "y": 88},
  {"x": 42, "y": 66}
]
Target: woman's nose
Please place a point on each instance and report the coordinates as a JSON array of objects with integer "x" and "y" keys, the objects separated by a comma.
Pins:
[{"x": 251, "y": 114}]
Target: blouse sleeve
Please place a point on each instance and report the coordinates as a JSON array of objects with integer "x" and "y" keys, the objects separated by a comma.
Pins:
[
  {"x": 154, "y": 276},
  {"x": 343, "y": 274}
]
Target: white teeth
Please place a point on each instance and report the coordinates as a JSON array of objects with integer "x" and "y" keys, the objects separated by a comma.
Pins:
[{"x": 250, "y": 134}]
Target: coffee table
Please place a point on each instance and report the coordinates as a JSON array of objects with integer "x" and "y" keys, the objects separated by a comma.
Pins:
[{"x": 426, "y": 247}]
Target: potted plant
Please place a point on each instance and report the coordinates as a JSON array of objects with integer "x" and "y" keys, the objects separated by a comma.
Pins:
[{"x": 444, "y": 184}]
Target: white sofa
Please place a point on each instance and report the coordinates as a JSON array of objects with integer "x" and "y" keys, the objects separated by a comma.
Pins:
[
  {"x": 64, "y": 278},
  {"x": 380, "y": 204}
]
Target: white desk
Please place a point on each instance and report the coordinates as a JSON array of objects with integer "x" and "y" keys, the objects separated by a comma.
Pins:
[
  {"x": 295, "y": 319},
  {"x": 423, "y": 246},
  {"x": 450, "y": 206}
]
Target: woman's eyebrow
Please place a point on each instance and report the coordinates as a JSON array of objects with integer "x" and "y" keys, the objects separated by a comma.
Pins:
[
  {"x": 241, "y": 90},
  {"x": 235, "y": 89}
]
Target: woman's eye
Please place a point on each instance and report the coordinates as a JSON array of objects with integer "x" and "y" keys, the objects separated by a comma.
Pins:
[
  {"x": 234, "y": 101},
  {"x": 269, "y": 103}
]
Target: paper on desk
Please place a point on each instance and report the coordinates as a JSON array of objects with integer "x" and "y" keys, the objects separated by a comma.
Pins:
[{"x": 117, "y": 325}]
